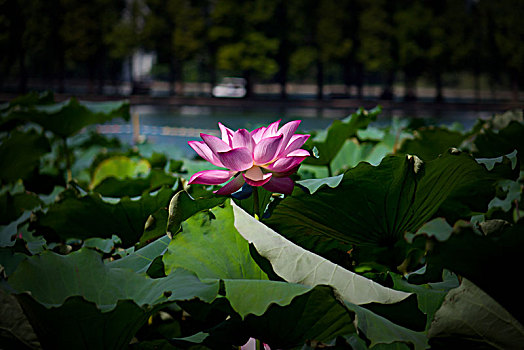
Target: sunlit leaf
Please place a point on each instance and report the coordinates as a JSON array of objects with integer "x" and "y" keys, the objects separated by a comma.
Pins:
[
  {"x": 119, "y": 167},
  {"x": 210, "y": 245},
  {"x": 297, "y": 265}
]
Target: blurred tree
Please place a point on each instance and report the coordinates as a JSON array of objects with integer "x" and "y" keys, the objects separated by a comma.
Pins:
[
  {"x": 353, "y": 68},
  {"x": 319, "y": 37},
  {"x": 86, "y": 25},
  {"x": 125, "y": 37},
  {"x": 412, "y": 29},
  {"x": 242, "y": 29},
  {"x": 450, "y": 41},
  {"x": 507, "y": 31},
  {"x": 18, "y": 38},
  {"x": 174, "y": 30},
  {"x": 379, "y": 47}
]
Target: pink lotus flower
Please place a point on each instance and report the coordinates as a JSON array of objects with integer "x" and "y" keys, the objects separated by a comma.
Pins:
[{"x": 265, "y": 157}]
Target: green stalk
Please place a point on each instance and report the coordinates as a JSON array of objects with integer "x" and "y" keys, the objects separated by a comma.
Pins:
[
  {"x": 67, "y": 156},
  {"x": 330, "y": 172},
  {"x": 256, "y": 206}
]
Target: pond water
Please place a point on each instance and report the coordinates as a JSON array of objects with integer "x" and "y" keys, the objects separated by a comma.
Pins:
[{"x": 168, "y": 126}]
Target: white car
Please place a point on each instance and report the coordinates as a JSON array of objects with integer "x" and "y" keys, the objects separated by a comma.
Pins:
[{"x": 230, "y": 87}]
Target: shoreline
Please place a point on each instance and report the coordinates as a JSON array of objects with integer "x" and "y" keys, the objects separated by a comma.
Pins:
[{"x": 262, "y": 102}]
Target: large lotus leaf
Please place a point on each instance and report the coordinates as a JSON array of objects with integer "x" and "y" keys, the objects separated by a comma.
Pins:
[
  {"x": 91, "y": 216},
  {"x": 489, "y": 260},
  {"x": 430, "y": 142},
  {"x": 329, "y": 145},
  {"x": 69, "y": 117},
  {"x": 20, "y": 155},
  {"x": 375, "y": 206},
  {"x": 76, "y": 301},
  {"x": 210, "y": 245},
  {"x": 119, "y": 167},
  {"x": 470, "y": 313},
  {"x": 297, "y": 265},
  {"x": 279, "y": 313}
]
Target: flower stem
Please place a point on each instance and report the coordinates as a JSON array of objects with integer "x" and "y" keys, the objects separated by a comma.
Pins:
[
  {"x": 330, "y": 172},
  {"x": 67, "y": 156},
  {"x": 256, "y": 206}
]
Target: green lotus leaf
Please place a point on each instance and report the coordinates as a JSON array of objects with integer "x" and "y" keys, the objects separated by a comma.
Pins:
[
  {"x": 339, "y": 131},
  {"x": 210, "y": 246},
  {"x": 132, "y": 187},
  {"x": 77, "y": 301},
  {"x": 91, "y": 216},
  {"x": 501, "y": 135},
  {"x": 186, "y": 203},
  {"x": 430, "y": 142},
  {"x": 119, "y": 167},
  {"x": 140, "y": 260},
  {"x": 375, "y": 205},
  {"x": 69, "y": 117}
]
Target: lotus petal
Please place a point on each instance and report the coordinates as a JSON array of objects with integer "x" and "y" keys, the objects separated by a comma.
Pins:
[
  {"x": 205, "y": 152},
  {"x": 215, "y": 144},
  {"x": 232, "y": 186},
  {"x": 283, "y": 165},
  {"x": 257, "y": 134},
  {"x": 272, "y": 129},
  {"x": 280, "y": 185},
  {"x": 288, "y": 130},
  {"x": 255, "y": 176},
  {"x": 267, "y": 149},
  {"x": 237, "y": 159},
  {"x": 298, "y": 153},
  {"x": 294, "y": 143},
  {"x": 226, "y": 133},
  {"x": 242, "y": 138},
  {"x": 211, "y": 177}
]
